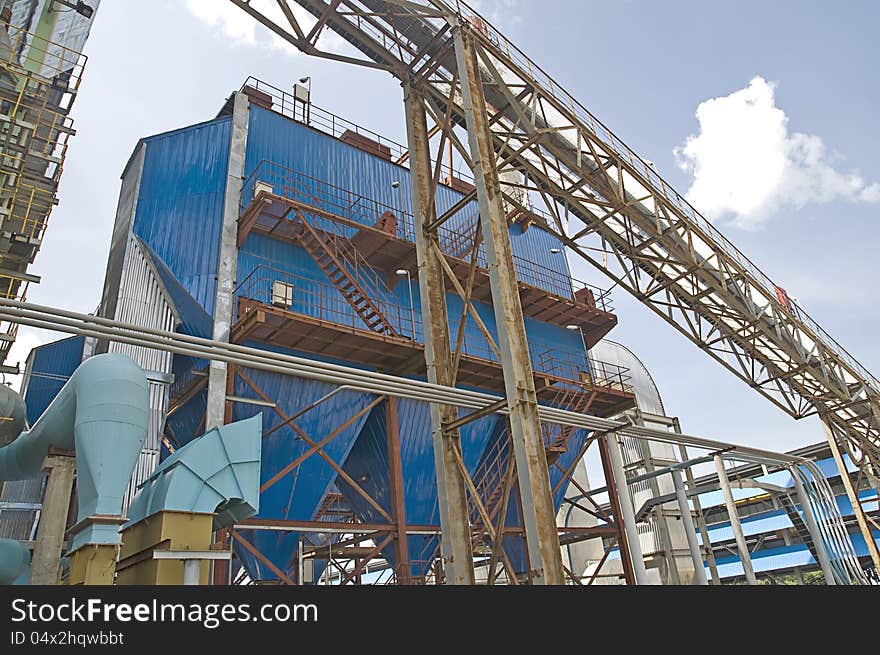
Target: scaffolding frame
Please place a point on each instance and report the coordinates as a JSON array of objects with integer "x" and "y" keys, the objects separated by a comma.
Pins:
[{"x": 37, "y": 92}]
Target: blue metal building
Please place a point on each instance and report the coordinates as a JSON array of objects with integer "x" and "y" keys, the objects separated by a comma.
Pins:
[{"x": 325, "y": 235}]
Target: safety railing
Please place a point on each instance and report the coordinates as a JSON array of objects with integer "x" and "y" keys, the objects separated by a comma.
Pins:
[
  {"x": 639, "y": 166},
  {"x": 11, "y": 288},
  {"x": 309, "y": 297},
  {"x": 574, "y": 366},
  {"x": 307, "y": 113},
  {"x": 24, "y": 208},
  {"x": 286, "y": 104},
  {"x": 356, "y": 209},
  {"x": 305, "y": 295},
  {"x": 350, "y": 258},
  {"x": 314, "y": 193}
]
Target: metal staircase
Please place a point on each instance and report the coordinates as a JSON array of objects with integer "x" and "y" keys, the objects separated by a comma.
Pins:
[
  {"x": 349, "y": 273},
  {"x": 489, "y": 476}
]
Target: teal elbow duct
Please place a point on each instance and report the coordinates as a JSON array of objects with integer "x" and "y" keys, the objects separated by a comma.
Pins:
[
  {"x": 101, "y": 414},
  {"x": 15, "y": 561},
  {"x": 218, "y": 473}
]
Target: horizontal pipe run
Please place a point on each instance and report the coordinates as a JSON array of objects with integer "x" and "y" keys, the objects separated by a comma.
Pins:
[{"x": 367, "y": 381}]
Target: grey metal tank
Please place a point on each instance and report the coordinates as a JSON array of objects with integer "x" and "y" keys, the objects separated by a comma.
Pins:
[{"x": 13, "y": 415}]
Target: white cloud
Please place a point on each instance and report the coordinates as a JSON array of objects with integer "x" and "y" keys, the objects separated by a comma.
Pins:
[
  {"x": 499, "y": 12},
  {"x": 236, "y": 25},
  {"x": 746, "y": 165}
]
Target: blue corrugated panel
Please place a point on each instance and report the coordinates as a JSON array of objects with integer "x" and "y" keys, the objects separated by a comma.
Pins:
[
  {"x": 180, "y": 204},
  {"x": 771, "y": 559},
  {"x": 298, "y": 494},
  {"x": 767, "y": 522},
  {"x": 367, "y": 464},
  {"x": 52, "y": 364},
  {"x": 775, "y": 520}
]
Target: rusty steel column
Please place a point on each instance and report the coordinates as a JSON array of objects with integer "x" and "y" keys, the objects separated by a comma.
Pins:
[
  {"x": 539, "y": 515},
  {"x": 455, "y": 540},
  {"x": 395, "y": 478}
]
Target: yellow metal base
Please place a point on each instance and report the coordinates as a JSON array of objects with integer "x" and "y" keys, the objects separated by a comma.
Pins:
[
  {"x": 163, "y": 531},
  {"x": 93, "y": 564}
]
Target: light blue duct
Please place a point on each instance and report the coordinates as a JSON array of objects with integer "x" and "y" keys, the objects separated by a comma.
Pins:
[
  {"x": 218, "y": 473},
  {"x": 101, "y": 414},
  {"x": 15, "y": 561}
]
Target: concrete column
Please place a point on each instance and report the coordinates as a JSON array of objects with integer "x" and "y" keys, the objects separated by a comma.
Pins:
[
  {"x": 53, "y": 519},
  {"x": 691, "y": 533},
  {"x": 624, "y": 499},
  {"x": 539, "y": 516},
  {"x": 744, "y": 555},
  {"x": 226, "y": 267},
  {"x": 813, "y": 527},
  {"x": 455, "y": 541}
]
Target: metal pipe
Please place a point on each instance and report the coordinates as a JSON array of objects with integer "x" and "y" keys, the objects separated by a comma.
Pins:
[
  {"x": 813, "y": 527},
  {"x": 742, "y": 546},
  {"x": 689, "y": 530},
  {"x": 73, "y": 323},
  {"x": 626, "y": 510},
  {"x": 294, "y": 366}
]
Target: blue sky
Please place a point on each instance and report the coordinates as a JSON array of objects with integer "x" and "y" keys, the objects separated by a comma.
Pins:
[{"x": 800, "y": 72}]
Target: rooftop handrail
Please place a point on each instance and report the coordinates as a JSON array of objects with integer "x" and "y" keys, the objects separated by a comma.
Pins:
[{"x": 318, "y": 117}]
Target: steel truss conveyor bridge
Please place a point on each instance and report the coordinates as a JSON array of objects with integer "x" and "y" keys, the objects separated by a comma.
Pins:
[{"x": 607, "y": 204}]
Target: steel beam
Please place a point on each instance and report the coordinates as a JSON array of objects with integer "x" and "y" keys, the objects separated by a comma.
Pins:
[
  {"x": 227, "y": 262},
  {"x": 627, "y": 515},
  {"x": 455, "y": 542},
  {"x": 539, "y": 517},
  {"x": 689, "y": 529},
  {"x": 744, "y": 555}
]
